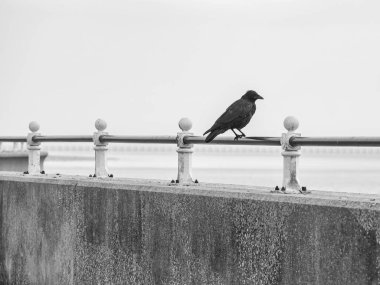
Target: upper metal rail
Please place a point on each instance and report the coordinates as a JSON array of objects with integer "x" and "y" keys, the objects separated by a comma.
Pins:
[
  {"x": 335, "y": 141},
  {"x": 12, "y": 139},
  {"x": 190, "y": 139},
  {"x": 138, "y": 139},
  {"x": 290, "y": 139},
  {"x": 232, "y": 141},
  {"x": 62, "y": 138}
]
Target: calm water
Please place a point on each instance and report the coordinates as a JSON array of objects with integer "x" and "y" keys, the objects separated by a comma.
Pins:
[{"x": 344, "y": 171}]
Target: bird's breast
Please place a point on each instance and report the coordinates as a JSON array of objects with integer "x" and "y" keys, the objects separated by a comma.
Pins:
[{"x": 245, "y": 119}]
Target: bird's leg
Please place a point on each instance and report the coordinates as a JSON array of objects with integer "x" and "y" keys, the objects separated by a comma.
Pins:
[
  {"x": 243, "y": 134},
  {"x": 236, "y": 135}
]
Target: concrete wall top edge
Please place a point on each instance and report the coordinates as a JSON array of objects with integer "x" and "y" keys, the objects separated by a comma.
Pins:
[{"x": 320, "y": 198}]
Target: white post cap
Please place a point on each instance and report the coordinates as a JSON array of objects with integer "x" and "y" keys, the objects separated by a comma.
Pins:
[
  {"x": 34, "y": 126},
  {"x": 100, "y": 125},
  {"x": 185, "y": 124},
  {"x": 291, "y": 123}
]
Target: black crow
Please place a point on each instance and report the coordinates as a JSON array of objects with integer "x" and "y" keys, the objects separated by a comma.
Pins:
[{"x": 237, "y": 116}]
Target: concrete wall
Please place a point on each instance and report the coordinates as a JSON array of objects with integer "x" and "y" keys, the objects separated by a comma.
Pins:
[{"x": 75, "y": 230}]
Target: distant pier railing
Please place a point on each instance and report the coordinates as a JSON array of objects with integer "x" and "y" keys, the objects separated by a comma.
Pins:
[{"x": 290, "y": 143}]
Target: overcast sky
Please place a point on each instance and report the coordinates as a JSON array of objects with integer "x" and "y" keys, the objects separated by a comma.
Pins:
[{"x": 142, "y": 65}]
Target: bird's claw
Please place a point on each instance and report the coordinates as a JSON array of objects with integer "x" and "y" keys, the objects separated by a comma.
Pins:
[{"x": 238, "y": 137}]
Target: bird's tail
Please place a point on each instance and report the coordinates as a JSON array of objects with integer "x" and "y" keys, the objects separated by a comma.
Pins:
[{"x": 213, "y": 134}]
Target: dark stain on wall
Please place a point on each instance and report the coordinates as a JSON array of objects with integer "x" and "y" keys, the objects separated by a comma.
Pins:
[
  {"x": 3, "y": 272},
  {"x": 326, "y": 245}
]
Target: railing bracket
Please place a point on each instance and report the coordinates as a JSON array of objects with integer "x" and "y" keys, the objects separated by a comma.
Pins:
[{"x": 187, "y": 183}]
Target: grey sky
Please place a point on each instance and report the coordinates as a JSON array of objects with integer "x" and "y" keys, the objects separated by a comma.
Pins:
[{"x": 142, "y": 65}]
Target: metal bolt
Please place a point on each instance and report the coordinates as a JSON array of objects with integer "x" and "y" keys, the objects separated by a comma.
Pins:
[
  {"x": 276, "y": 188},
  {"x": 90, "y": 175},
  {"x": 172, "y": 181},
  {"x": 177, "y": 181},
  {"x": 26, "y": 172},
  {"x": 94, "y": 175},
  {"x": 196, "y": 181},
  {"x": 58, "y": 174},
  {"x": 304, "y": 188},
  {"x": 42, "y": 172},
  {"x": 283, "y": 188},
  {"x": 110, "y": 175}
]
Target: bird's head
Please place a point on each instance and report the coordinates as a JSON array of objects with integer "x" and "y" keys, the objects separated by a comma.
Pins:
[{"x": 251, "y": 95}]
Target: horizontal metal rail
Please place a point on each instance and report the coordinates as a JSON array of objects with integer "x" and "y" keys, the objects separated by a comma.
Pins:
[
  {"x": 62, "y": 139},
  {"x": 230, "y": 140},
  {"x": 268, "y": 141},
  {"x": 138, "y": 139},
  {"x": 12, "y": 139},
  {"x": 336, "y": 141}
]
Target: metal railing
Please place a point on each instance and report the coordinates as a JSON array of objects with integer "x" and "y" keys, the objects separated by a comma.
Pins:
[
  {"x": 290, "y": 142},
  {"x": 138, "y": 139},
  {"x": 336, "y": 141},
  {"x": 39, "y": 139}
]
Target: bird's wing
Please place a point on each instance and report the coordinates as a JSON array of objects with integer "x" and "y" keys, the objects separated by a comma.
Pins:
[{"x": 238, "y": 110}]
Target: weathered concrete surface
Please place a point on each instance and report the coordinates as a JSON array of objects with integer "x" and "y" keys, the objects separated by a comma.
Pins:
[{"x": 75, "y": 230}]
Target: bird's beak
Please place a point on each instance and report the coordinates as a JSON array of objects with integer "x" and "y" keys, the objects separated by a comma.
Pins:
[{"x": 259, "y": 97}]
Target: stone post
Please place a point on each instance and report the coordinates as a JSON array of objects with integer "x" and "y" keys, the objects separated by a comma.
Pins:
[
  {"x": 100, "y": 149},
  {"x": 184, "y": 152},
  {"x": 291, "y": 154},
  {"x": 15, "y": 146},
  {"x": 34, "y": 166}
]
